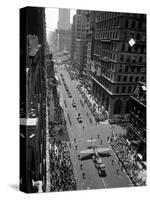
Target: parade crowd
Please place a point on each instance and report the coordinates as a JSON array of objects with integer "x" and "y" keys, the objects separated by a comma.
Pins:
[
  {"x": 127, "y": 154},
  {"x": 98, "y": 117},
  {"x": 61, "y": 176}
]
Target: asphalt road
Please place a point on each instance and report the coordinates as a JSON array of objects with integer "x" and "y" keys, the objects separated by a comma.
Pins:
[{"x": 83, "y": 141}]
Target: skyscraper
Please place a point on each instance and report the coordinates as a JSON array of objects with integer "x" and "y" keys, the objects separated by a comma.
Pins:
[
  {"x": 64, "y": 30},
  {"x": 64, "y": 19}
]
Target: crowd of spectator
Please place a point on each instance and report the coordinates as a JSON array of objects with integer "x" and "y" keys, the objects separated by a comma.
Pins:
[
  {"x": 61, "y": 176},
  {"x": 58, "y": 111},
  {"x": 127, "y": 154},
  {"x": 98, "y": 117}
]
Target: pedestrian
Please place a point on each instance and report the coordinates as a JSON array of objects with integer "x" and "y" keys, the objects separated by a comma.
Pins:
[
  {"x": 76, "y": 147},
  {"x": 83, "y": 175},
  {"x": 112, "y": 162},
  {"x": 74, "y": 140},
  {"x": 98, "y": 136},
  {"x": 83, "y": 128},
  {"x": 107, "y": 138},
  {"x": 81, "y": 167},
  {"x": 79, "y": 156},
  {"x": 117, "y": 171},
  {"x": 70, "y": 144},
  {"x": 101, "y": 142},
  {"x": 121, "y": 168}
]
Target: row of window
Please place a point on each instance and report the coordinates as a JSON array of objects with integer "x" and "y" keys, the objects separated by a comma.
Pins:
[
  {"x": 107, "y": 35},
  {"x": 113, "y": 46},
  {"x": 135, "y": 24},
  {"x": 131, "y": 59},
  {"x": 130, "y": 78},
  {"x": 106, "y": 15},
  {"x": 124, "y": 89},
  {"x": 135, "y": 49},
  {"x": 137, "y": 36},
  {"x": 105, "y": 54},
  {"x": 133, "y": 69},
  {"x": 113, "y": 23}
]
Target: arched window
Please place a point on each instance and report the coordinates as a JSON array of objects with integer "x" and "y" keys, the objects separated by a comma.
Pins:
[{"x": 117, "y": 107}]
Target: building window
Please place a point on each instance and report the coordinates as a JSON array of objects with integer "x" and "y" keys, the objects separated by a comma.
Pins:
[
  {"x": 128, "y": 59},
  {"x": 123, "y": 47},
  {"x": 132, "y": 69},
  {"x": 131, "y": 78},
  {"x": 138, "y": 36},
  {"x": 121, "y": 58},
  {"x": 117, "y": 89},
  {"x": 134, "y": 59},
  {"x": 136, "y": 79},
  {"x": 125, "y": 78},
  {"x": 123, "y": 89},
  {"x": 125, "y": 35},
  {"x": 126, "y": 68},
  {"x": 119, "y": 77},
  {"x": 133, "y": 24},
  {"x": 126, "y": 24},
  {"x": 140, "y": 59},
  {"x": 129, "y": 89}
]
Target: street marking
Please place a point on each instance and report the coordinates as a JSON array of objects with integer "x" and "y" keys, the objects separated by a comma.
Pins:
[
  {"x": 93, "y": 140},
  {"x": 104, "y": 183}
]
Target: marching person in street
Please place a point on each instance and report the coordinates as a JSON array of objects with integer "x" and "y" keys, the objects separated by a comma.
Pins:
[
  {"x": 117, "y": 171},
  {"x": 70, "y": 145},
  {"x": 79, "y": 156},
  {"x": 76, "y": 147},
  {"x": 83, "y": 175},
  {"x": 81, "y": 167},
  {"x": 101, "y": 142},
  {"x": 112, "y": 162}
]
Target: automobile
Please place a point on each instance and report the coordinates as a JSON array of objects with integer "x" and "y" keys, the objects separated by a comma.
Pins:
[
  {"x": 101, "y": 170},
  {"x": 80, "y": 120},
  {"x": 73, "y": 105},
  {"x": 69, "y": 94},
  {"x": 98, "y": 162}
]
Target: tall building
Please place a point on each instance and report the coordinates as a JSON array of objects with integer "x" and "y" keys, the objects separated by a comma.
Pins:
[
  {"x": 63, "y": 32},
  {"x": 90, "y": 36},
  {"x": 32, "y": 98},
  {"x": 119, "y": 59},
  {"x": 137, "y": 121},
  {"x": 64, "y": 19},
  {"x": 78, "y": 43}
]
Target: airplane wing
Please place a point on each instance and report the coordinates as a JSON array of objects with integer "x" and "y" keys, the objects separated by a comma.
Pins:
[
  {"x": 87, "y": 151},
  {"x": 102, "y": 150}
]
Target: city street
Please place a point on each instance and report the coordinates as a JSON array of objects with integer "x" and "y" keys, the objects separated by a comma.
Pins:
[{"x": 84, "y": 135}]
